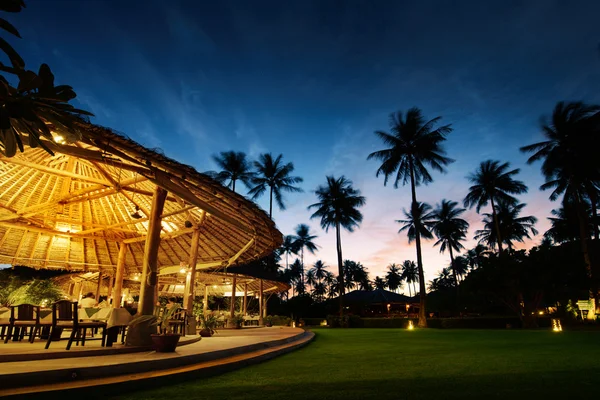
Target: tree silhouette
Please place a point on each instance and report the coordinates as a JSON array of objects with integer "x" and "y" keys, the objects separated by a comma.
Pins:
[
  {"x": 304, "y": 240},
  {"x": 512, "y": 227},
  {"x": 410, "y": 273},
  {"x": 234, "y": 167},
  {"x": 274, "y": 175},
  {"x": 393, "y": 278},
  {"x": 414, "y": 145},
  {"x": 570, "y": 163},
  {"x": 338, "y": 208},
  {"x": 493, "y": 182},
  {"x": 450, "y": 229}
]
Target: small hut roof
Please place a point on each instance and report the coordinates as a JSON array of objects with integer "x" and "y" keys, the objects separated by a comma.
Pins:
[{"x": 73, "y": 209}]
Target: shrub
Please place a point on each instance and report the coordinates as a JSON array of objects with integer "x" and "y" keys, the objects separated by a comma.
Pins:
[{"x": 280, "y": 320}]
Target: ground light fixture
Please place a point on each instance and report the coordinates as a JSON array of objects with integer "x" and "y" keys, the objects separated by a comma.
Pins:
[
  {"x": 411, "y": 326},
  {"x": 556, "y": 325}
]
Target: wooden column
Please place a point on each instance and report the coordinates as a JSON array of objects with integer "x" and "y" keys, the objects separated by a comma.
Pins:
[
  {"x": 232, "y": 306},
  {"x": 111, "y": 281},
  {"x": 188, "y": 300},
  {"x": 265, "y": 304},
  {"x": 205, "y": 300},
  {"x": 99, "y": 285},
  {"x": 118, "y": 287},
  {"x": 150, "y": 270},
  {"x": 245, "y": 299},
  {"x": 261, "y": 305}
]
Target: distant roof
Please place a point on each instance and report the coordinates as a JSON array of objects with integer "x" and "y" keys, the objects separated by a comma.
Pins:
[{"x": 376, "y": 296}]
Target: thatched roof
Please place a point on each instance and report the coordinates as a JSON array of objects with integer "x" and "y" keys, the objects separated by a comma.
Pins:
[
  {"x": 72, "y": 210},
  {"x": 218, "y": 283}
]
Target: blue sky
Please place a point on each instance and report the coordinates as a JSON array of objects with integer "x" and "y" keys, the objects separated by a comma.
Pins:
[{"x": 313, "y": 80}]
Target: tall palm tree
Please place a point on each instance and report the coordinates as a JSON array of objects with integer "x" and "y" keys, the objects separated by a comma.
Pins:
[
  {"x": 512, "y": 228},
  {"x": 296, "y": 280},
  {"x": 276, "y": 176},
  {"x": 393, "y": 278},
  {"x": 460, "y": 267},
  {"x": 450, "y": 229},
  {"x": 417, "y": 224},
  {"x": 311, "y": 280},
  {"x": 493, "y": 182},
  {"x": 379, "y": 283},
  {"x": 304, "y": 240},
  {"x": 288, "y": 248},
  {"x": 338, "y": 208},
  {"x": 234, "y": 167},
  {"x": 319, "y": 291},
  {"x": 570, "y": 164},
  {"x": 410, "y": 273},
  {"x": 414, "y": 144}
]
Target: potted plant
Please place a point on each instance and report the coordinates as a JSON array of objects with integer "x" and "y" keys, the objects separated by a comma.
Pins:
[
  {"x": 236, "y": 321},
  {"x": 166, "y": 341},
  {"x": 208, "y": 323}
]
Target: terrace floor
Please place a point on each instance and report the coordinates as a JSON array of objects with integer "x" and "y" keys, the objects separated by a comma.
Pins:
[{"x": 90, "y": 366}]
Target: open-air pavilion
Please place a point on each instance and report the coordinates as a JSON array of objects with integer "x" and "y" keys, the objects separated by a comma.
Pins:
[{"x": 104, "y": 204}]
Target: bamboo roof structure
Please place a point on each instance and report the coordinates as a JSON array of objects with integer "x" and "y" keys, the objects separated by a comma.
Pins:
[
  {"x": 217, "y": 283},
  {"x": 74, "y": 209}
]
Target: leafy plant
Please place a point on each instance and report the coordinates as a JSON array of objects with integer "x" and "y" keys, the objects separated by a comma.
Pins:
[
  {"x": 237, "y": 320},
  {"x": 37, "y": 291},
  {"x": 208, "y": 321},
  {"x": 36, "y": 108}
]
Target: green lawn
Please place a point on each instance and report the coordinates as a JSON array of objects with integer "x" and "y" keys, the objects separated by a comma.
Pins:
[{"x": 420, "y": 364}]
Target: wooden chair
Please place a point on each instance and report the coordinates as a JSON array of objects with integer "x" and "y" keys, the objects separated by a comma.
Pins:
[
  {"x": 4, "y": 324},
  {"x": 65, "y": 315},
  {"x": 178, "y": 322},
  {"x": 26, "y": 316}
]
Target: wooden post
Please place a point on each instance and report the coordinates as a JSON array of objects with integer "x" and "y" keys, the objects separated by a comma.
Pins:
[
  {"x": 188, "y": 301},
  {"x": 111, "y": 281},
  {"x": 245, "y": 299},
  {"x": 150, "y": 270},
  {"x": 118, "y": 287},
  {"x": 99, "y": 285},
  {"x": 80, "y": 291},
  {"x": 260, "y": 304},
  {"x": 232, "y": 306},
  {"x": 205, "y": 300},
  {"x": 265, "y": 304}
]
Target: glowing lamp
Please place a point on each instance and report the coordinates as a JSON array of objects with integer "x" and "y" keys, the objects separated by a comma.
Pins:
[
  {"x": 556, "y": 325},
  {"x": 182, "y": 271},
  {"x": 410, "y": 326}
]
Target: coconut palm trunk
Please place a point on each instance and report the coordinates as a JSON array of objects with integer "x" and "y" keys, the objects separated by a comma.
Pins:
[
  {"x": 497, "y": 225},
  {"x": 422, "y": 295},
  {"x": 338, "y": 236}
]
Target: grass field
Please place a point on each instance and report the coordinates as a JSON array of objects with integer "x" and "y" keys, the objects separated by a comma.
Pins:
[{"x": 420, "y": 364}]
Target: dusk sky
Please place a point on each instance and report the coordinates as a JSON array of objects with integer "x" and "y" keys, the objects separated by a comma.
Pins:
[{"x": 313, "y": 80}]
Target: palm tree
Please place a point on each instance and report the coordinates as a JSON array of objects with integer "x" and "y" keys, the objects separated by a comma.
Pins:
[
  {"x": 493, "y": 183},
  {"x": 570, "y": 164},
  {"x": 410, "y": 273},
  {"x": 379, "y": 283},
  {"x": 393, "y": 278},
  {"x": 296, "y": 276},
  {"x": 288, "y": 248},
  {"x": 418, "y": 221},
  {"x": 273, "y": 174},
  {"x": 304, "y": 240},
  {"x": 319, "y": 270},
  {"x": 414, "y": 145},
  {"x": 511, "y": 227},
  {"x": 319, "y": 291},
  {"x": 460, "y": 267},
  {"x": 450, "y": 229},
  {"x": 338, "y": 207},
  {"x": 475, "y": 255},
  {"x": 311, "y": 280},
  {"x": 234, "y": 166},
  {"x": 565, "y": 223}
]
